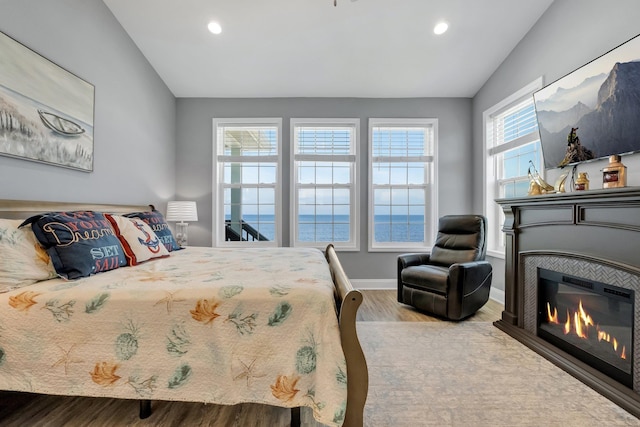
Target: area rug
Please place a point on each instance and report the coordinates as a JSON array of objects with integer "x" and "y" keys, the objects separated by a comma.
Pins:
[{"x": 471, "y": 374}]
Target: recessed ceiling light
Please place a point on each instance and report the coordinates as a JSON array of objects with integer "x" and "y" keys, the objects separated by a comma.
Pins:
[
  {"x": 440, "y": 28},
  {"x": 214, "y": 27}
]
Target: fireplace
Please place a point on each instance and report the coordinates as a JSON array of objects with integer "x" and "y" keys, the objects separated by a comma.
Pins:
[
  {"x": 578, "y": 252},
  {"x": 590, "y": 320}
]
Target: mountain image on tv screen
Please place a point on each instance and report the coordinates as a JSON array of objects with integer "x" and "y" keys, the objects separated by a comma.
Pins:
[{"x": 593, "y": 112}]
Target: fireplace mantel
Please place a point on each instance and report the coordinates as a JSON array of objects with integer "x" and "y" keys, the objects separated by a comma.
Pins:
[{"x": 599, "y": 226}]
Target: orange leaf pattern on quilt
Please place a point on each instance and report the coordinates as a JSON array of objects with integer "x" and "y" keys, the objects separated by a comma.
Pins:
[
  {"x": 104, "y": 374},
  {"x": 205, "y": 311},
  {"x": 285, "y": 388},
  {"x": 23, "y": 301}
]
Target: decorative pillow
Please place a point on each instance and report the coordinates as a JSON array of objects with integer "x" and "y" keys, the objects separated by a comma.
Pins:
[
  {"x": 138, "y": 240},
  {"x": 79, "y": 243},
  {"x": 23, "y": 261},
  {"x": 157, "y": 223}
]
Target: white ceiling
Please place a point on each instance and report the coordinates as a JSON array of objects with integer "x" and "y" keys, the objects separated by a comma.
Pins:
[{"x": 309, "y": 48}]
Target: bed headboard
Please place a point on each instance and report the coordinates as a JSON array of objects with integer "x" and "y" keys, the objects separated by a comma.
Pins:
[{"x": 22, "y": 209}]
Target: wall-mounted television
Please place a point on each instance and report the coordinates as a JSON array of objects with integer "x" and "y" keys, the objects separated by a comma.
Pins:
[{"x": 594, "y": 111}]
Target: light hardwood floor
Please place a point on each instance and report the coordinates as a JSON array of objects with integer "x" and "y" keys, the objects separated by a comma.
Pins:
[
  {"x": 22, "y": 409},
  {"x": 382, "y": 306}
]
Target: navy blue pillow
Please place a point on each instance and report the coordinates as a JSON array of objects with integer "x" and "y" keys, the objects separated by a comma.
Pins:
[
  {"x": 79, "y": 243},
  {"x": 159, "y": 226}
]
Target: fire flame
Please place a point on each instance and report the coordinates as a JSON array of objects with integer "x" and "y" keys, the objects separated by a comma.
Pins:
[
  {"x": 553, "y": 318},
  {"x": 584, "y": 316},
  {"x": 603, "y": 336},
  {"x": 580, "y": 326}
]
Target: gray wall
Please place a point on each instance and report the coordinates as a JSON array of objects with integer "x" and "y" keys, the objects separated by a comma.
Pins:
[
  {"x": 569, "y": 34},
  {"x": 195, "y": 156},
  {"x": 134, "y": 122}
]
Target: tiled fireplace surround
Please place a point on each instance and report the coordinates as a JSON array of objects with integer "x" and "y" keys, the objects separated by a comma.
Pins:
[{"x": 591, "y": 234}]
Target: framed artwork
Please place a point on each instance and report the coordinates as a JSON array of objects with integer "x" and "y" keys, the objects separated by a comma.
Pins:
[
  {"x": 46, "y": 112},
  {"x": 592, "y": 112}
]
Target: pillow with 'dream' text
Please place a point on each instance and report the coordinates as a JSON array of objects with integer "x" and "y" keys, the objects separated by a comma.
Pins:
[
  {"x": 80, "y": 243},
  {"x": 159, "y": 226}
]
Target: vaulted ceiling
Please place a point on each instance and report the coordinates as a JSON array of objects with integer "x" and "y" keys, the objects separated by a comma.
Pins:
[{"x": 311, "y": 48}]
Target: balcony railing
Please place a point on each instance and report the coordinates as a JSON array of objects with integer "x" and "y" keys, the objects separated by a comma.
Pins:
[{"x": 247, "y": 233}]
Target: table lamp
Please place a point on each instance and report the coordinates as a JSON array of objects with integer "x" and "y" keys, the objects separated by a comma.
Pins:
[{"x": 182, "y": 211}]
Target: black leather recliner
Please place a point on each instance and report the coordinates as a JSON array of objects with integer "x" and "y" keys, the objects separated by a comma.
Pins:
[{"x": 454, "y": 280}]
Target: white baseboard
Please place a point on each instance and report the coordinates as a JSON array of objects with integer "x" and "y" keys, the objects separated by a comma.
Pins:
[{"x": 495, "y": 294}]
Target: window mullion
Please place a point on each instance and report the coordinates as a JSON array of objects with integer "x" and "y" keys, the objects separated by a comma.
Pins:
[
  {"x": 248, "y": 159},
  {"x": 518, "y": 142},
  {"x": 324, "y": 158},
  {"x": 404, "y": 159}
]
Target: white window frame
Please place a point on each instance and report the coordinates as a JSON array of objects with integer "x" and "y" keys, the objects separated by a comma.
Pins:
[
  {"x": 493, "y": 212},
  {"x": 219, "y": 159},
  {"x": 430, "y": 186},
  {"x": 354, "y": 233}
]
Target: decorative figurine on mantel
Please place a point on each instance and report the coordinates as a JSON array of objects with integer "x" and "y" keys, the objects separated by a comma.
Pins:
[
  {"x": 559, "y": 186},
  {"x": 582, "y": 183},
  {"x": 575, "y": 151},
  {"x": 615, "y": 174},
  {"x": 537, "y": 185}
]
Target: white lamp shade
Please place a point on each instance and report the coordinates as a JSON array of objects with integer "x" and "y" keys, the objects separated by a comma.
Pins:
[{"x": 182, "y": 211}]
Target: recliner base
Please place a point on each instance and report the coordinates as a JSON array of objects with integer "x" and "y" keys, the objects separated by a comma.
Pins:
[{"x": 425, "y": 301}]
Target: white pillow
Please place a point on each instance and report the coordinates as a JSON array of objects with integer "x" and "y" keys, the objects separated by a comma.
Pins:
[
  {"x": 22, "y": 260},
  {"x": 138, "y": 240}
]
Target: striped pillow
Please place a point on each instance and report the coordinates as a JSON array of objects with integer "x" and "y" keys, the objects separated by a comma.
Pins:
[{"x": 138, "y": 240}]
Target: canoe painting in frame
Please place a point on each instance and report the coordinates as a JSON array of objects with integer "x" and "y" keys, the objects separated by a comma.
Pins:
[{"x": 46, "y": 112}]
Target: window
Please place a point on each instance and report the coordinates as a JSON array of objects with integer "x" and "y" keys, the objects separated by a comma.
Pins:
[
  {"x": 324, "y": 195},
  {"x": 247, "y": 178},
  {"x": 511, "y": 142},
  {"x": 402, "y": 192}
]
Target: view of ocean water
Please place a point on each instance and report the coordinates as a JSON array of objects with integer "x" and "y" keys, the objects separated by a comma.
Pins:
[{"x": 328, "y": 228}]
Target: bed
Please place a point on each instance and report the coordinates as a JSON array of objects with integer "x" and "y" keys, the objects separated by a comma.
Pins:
[{"x": 273, "y": 326}]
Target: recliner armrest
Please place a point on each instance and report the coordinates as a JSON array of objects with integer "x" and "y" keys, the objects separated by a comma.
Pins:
[
  {"x": 409, "y": 260},
  {"x": 470, "y": 275}
]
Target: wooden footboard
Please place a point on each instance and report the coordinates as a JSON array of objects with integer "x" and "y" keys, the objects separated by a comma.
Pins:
[{"x": 349, "y": 300}]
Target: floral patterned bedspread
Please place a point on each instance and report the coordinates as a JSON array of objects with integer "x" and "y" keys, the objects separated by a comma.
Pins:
[{"x": 208, "y": 325}]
